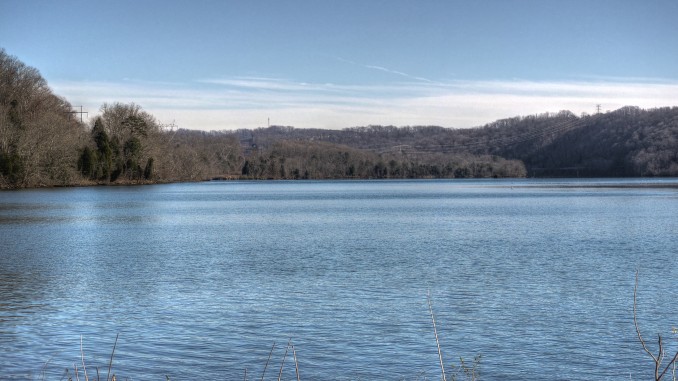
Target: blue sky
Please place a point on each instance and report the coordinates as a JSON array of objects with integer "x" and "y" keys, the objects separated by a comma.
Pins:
[{"x": 216, "y": 65}]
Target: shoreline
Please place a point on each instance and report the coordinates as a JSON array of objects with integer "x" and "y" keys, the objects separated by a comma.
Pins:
[{"x": 583, "y": 183}]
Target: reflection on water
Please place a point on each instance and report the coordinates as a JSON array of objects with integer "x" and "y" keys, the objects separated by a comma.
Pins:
[{"x": 200, "y": 279}]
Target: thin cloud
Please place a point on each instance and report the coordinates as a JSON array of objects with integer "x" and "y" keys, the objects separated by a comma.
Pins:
[
  {"x": 386, "y": 70},
  {"x": 244, "y": 102},
  {"x": 258, "y": 83},
  {"x": 400, "y": 73}
]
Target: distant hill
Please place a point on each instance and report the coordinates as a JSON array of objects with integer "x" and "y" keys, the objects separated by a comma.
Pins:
[
  {"x": 42, "y": 143},
  {"x": 626, "y": 142}
]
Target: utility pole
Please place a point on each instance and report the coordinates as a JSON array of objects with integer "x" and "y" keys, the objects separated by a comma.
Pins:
[
  {"x": 78, "y": 112},
  {"x": 597, "y": 109}
]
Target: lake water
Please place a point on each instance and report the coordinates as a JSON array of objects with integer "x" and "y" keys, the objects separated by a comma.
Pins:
[{"x": 199, "y": 280}]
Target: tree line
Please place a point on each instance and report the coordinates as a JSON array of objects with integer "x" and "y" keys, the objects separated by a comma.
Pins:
[
  {"x": 628, "y": 142},
  {"x": 299, "y": 159},
  {"x": 42, "y": 143}
]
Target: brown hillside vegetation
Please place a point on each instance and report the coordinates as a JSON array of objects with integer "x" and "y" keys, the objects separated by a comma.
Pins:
[{"x": 42, "y": 143}]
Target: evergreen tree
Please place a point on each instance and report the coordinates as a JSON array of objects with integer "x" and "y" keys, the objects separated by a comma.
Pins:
[
  {"x": 87, "y": 164},
  {"x": 105, "y": 152},
  {"x": 246, "y": 168},
  {"x": 148, "y": 171}
]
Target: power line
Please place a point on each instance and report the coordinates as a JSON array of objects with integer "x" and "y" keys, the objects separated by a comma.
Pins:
[{"x": 78, "y": 112}]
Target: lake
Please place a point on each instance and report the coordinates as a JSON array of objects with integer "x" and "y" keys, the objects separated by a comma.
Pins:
[{"x": 199, "y": 280}]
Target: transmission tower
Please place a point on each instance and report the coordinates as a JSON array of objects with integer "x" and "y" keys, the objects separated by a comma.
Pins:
[{"x": 78, "y": 112}]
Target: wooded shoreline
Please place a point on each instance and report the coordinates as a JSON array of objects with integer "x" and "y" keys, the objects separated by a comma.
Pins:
[{"x": 43, "y": 144}]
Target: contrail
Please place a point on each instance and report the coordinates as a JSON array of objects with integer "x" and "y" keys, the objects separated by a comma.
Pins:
[{"x": 386, "y": 70}]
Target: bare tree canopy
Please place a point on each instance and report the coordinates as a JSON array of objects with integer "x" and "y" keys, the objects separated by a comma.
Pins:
[{"x": 43, "y": 144}]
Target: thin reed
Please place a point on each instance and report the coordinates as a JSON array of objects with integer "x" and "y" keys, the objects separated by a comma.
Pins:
[
  {"x": 435, "y": 332},
  {"x": 289, "y": 347}
]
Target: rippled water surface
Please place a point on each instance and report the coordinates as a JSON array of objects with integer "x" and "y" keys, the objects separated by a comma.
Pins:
[{"x": 199, "y": 280}]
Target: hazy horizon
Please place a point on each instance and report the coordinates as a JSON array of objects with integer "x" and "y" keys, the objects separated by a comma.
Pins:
[{"x": 229, "y": 65}]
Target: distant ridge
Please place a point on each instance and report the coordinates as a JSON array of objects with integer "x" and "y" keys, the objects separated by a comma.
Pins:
[
  {"x": 44, "y": 143},
  {"x": 626, "y": 142}
]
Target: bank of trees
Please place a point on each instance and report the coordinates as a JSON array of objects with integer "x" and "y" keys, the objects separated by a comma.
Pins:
[
  {"x": 38, "y": 132},
  {"x": 200, "y": 155},
  {"x": 626, "y": 142},
  {"x": 321, "y": 160},
  {"x": 42, "y": 143},
  {"x": 124, "y": 142},
  {"x": 127, "y": 145}
]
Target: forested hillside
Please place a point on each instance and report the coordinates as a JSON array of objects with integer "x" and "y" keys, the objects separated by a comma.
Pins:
[
  {"x": 38, "y": 133},
  {"x": 626, "y": 142},
  {"x": 43, "y": 143}
]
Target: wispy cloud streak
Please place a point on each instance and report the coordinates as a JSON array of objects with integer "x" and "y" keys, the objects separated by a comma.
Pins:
[
  {"x": 386, "y": 70},
  {"x": 400, "y": 73},
  {"x": 247, "y": 102}
]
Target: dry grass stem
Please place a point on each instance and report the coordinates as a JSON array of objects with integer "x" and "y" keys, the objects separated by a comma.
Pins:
[
  {"x": 282, "y": 364},
  {"x": 671, "y": 363},
  {"x": 267, "y": 361},
  {"x": 110, "y": 362},
  {"x": 660, "y": 356},
  {"x": 635, "y": 321},
  {"x": 44, "y": 367},
  {"x": 435, "y": 332},
  {"x": 82, "y": 358},
  {"x": 296, "y": 364}
]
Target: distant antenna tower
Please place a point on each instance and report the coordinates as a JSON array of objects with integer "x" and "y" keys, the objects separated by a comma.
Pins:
[{"x": 597, "y": 109}]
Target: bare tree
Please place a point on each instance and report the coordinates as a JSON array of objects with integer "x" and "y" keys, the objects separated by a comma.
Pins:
[
  {"x": 38, "y": 134},
  {"x": 659, "y": 357}
]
